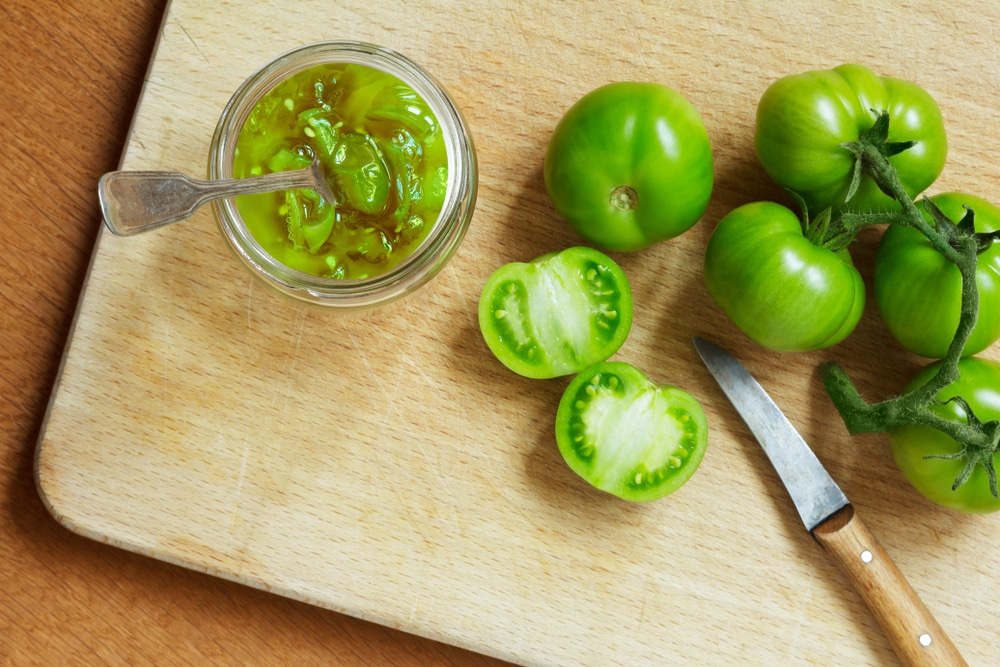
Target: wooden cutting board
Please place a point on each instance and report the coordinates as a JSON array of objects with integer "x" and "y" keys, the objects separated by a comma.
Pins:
[{"x": 385, "y": 465}]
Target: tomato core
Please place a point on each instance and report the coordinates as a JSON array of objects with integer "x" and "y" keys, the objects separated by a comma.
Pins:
[{"x": 624, "y": 198}]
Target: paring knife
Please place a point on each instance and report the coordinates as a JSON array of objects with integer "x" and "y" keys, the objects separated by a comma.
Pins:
[{"x": 914, "y": 634}]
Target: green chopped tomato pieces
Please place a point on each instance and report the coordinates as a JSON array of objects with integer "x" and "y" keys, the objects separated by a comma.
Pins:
[
  {"x": 627, "y": 436},
  {"x": 316, "y": 232},
  {"x": 385, "y": 159},
  {"x": 400, "y": 105},
  {"x": 401, "y": 151},
  {"x": 437, "y": 187},
  {"x": 285, "y": 160},
  {"x": 360, "y": 172},
  {"x": 324, "y": 133},
  {"x": 558, "y": 314}
]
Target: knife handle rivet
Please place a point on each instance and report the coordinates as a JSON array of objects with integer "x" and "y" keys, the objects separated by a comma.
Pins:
[
  {"x": 866, "y": 556},
  {"x": 925, "y": 640}
]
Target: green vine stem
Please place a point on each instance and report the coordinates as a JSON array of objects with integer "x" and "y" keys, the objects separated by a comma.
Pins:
[{"x": 961, "y": 245}]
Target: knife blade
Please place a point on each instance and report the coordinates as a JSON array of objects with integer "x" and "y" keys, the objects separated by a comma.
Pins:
[
  {"x": 915, "y": 636},
  {"x": 815, "y": 495}
]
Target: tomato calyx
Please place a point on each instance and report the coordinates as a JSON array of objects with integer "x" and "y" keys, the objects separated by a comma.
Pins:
[
  {"x": 876, "y": 138},
  {"x": 960, "y": 244},
  {"x": 974, "y": 453},
  {"x": 824, "y": 231},
  {"x": 836, "y": 227},
  {"x": 957, "y": 233}
]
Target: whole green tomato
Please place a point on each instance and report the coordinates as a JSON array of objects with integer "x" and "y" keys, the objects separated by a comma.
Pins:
[
  {"x": 979, "y": 385},
  {"x": 629, "y": 165},
  {"x": 803, "y": 119},
  {"x": 781, "y": 290},
  {"x": 919, "y": 291}
]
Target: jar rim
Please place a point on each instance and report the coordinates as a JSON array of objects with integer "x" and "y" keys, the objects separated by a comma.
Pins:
[{"x": 442, "y": 239}]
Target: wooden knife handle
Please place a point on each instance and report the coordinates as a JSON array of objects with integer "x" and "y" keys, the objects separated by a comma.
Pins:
[{"x": 914, "y": 634}]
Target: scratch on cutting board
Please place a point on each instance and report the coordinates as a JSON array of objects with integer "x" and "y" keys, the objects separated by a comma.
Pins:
[
  {"x": 187, "y": 92},
  {"x": 285, "y": 391},
  {"x": 472, "y": 315},
  {"x": 194, "y": 43},
  {"x": 413, "y": 607},
  {"x": 239, "y": 491},
  {"x": 250, "y": 308},
  {"x": 645, "y": 599},
  {"x": 627, "y": 17},
  {"x": 793, "y": 646},
  {"x": 432, "y": 463},
  {"x": 435, "y": 468},
  {"x": 441, "y": 482},
  {"x": 165, "y": 330},
  {"x": 364, "y": 359}
]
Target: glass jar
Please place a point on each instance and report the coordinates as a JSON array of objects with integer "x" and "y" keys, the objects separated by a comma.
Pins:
[{"x": 444, "y": 237}]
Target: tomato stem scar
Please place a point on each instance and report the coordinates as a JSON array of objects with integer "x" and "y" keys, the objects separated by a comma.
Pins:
[{"x": 624, "y": 198}]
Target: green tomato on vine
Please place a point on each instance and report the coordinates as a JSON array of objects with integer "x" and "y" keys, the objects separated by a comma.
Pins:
[
  {"x": 855, "y": 149},
  {"x": 919, "y": 291},
  {"x": 784, "y": 291},
  {"x": 804, "y": 119}
]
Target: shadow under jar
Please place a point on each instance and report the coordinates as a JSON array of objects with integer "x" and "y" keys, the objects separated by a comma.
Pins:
[{"x": 393, "y": 166}]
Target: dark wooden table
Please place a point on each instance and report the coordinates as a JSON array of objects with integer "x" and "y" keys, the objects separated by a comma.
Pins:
[{"x": 71, "y": 77}]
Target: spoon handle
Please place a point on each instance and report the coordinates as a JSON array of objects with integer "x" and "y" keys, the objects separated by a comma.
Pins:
[{"x": 139, "y": 201}]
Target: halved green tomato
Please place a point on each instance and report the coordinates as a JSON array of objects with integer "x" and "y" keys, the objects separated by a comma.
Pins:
[
  {"x": 558, "y": 314},
  {"x": 628, "y": 436}
]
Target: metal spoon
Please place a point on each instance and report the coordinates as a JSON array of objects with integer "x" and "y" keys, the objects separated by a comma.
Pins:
[{"x": 139, "y": 201}]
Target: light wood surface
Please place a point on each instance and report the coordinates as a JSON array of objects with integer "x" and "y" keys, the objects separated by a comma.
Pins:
[
  {"x": 915, "y": 635},
  {"x": 71, "y": 78},
  {"x": 384, "y": 465}
]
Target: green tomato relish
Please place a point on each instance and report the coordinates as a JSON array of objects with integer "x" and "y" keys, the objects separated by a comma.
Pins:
[{"x": 384, "y": 156}]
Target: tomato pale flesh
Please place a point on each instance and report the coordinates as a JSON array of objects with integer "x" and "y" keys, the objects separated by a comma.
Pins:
[
  {"x": 556, "y": 315},
  {"x": 551, "y": 320},
  {"x": 627, "y": 436}
]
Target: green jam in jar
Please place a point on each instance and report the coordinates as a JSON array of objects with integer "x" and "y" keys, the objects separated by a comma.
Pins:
[{"x": 384, "y": 156}]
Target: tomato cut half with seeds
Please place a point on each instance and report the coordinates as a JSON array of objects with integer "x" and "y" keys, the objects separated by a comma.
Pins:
[
  {"x": 558, "y": 314},
  {"x": 628, "y": 436}
]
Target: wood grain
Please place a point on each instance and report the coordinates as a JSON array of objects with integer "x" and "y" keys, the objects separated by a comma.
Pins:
[
  {"x": 385, "y": 465},
  {"x": 71, "y": 78}
]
